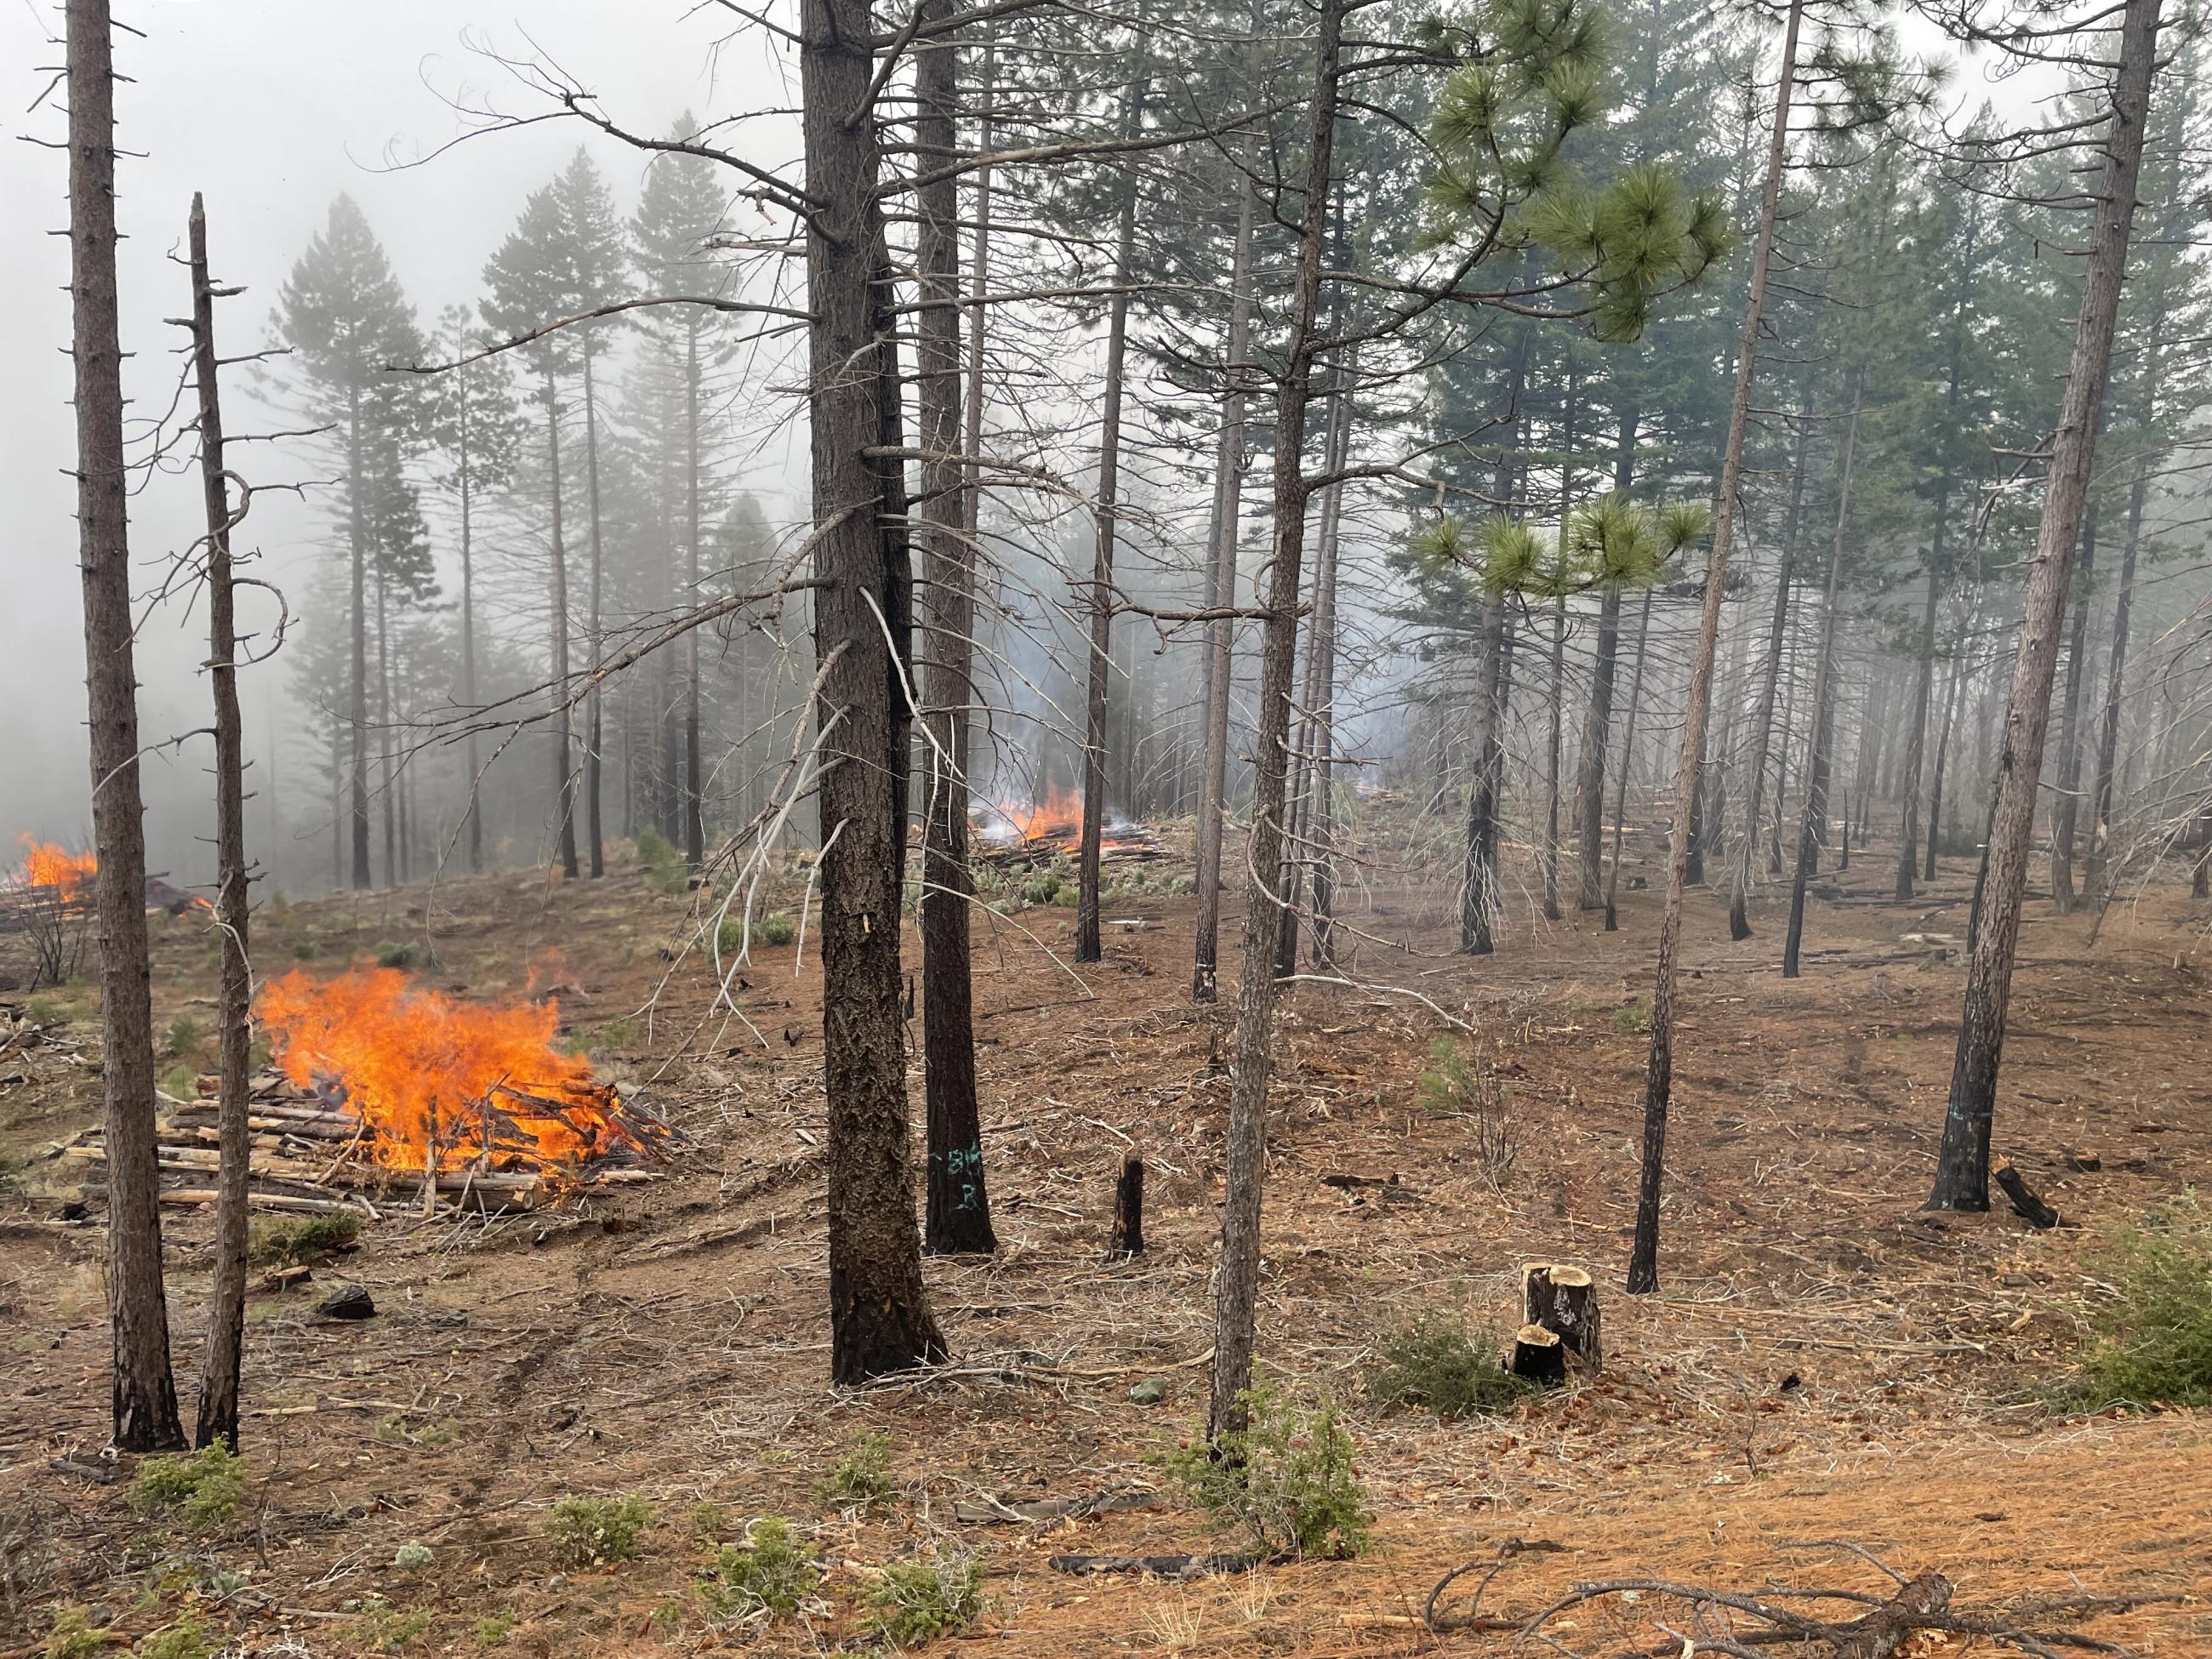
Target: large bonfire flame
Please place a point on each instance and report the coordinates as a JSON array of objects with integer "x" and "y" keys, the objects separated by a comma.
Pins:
[
  {"x": 438, "y": 1082},
  {"x": 46, "y": 864}
]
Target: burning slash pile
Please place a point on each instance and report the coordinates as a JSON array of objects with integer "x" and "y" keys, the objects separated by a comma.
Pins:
[
  {"x": 381, "y": 1086},
  {"x": 1053, "y": 828}
]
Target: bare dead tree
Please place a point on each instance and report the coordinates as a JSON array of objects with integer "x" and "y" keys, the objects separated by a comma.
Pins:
[
  {"x": 226, "y": 1332},
  {"x": 145, "y": 1389}
]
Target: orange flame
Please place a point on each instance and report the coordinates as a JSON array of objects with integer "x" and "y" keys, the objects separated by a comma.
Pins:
[
  {"x": 1055, "y": 824},
  {"x": 48, "y": 866},
  {"x": 438, "y": 1080}
]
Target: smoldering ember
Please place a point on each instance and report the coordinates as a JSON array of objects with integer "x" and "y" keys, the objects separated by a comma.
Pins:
[{"x": 1319, "y": 829}]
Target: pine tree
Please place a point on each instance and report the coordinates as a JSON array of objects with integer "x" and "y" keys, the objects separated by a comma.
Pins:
[
  {"x": 678, "y": 219},
  {"x": 347, "y": 321}
]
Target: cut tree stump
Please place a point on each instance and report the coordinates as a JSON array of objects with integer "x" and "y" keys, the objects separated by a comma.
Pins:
[
  {"x": 1539, "y": 1356},
  {"x": 1563, "y": 1299},
  {"x": 1129, "y": 1212},
  {"x": 2031, "y": 1208}
]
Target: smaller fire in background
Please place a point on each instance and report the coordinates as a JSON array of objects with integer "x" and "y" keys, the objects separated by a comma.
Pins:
[
  {"x": 46, "y": 864},
  {"x": 1055, "y": 824}
]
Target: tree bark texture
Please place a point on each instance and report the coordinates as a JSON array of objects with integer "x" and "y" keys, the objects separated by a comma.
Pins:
[
  {"x": 564, "y": 720},
  {"x": 879, "y": 1315}
]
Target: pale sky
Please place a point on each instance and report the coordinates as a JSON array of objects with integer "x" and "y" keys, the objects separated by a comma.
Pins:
[{"x": 271, "y": 107}]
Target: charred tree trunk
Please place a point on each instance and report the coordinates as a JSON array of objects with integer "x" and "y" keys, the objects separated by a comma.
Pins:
[
  {"x": 1237, "y": 1281},
  {"x": 145, "y": 1391},
  {"x": 357, "y": 556},
  {"x": 226, "y": 1332},
  {"x": 957, "y": 1211},
  {"x": 1088, "y": 947},
  {"x": 1962, "y": 1173},
  {"x": 1129, "y": 1211},
  {"x": 1659, "y": 1074},
  {"x": 879, "y": 1315}
]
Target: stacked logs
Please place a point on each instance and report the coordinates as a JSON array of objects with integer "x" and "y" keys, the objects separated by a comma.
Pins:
[{"x": 310, "y": 1154}]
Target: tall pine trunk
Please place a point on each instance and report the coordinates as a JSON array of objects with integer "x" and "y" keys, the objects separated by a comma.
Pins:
[
  {"x": 1627, "y": 765},
  {"x": 957, "y": 1213},
  {"x": 695, "y": 782},
  {"x": 1221, "y": 597},
  {"x": 1963, "y": 1167},
  {"x": 880, "y": 1316},
  {"x": 2066, "y": 805},
  {"x": 226, "y": 1329},
  {"x": 1236, "y": 1279},
  {"x": 1659, "y": 1073},
  {"x": 357, "y": 557},
  {"x": 1100, "y": 661},
  {"x": 145, "y": 1391},
  {"x": 469, "y": 642}
]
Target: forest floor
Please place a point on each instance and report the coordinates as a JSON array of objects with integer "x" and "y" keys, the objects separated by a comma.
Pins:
[{"x": 1825, "y": 1362}]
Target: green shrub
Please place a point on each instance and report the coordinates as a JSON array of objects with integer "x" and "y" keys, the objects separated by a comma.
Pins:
[
  {"x": 708, "y": 1522},
  {"x": 916, "y": 1601},
  {"x": 1447, "y": 1084},
  {"x": 1041, "y": 889},
  {"x": 665, "y": 871},
  {"x": 305, "y": 950},
  {"x": 45, "y": 1010},
  {"x": 72, "y": 1635},
  {"x": 1634, "y": 1018},
  {"x": 300, "y": 1241},
  {"x": 389, "y": 954},
  {"x": 1287, "y": 1477},
  {"x": 588, "y": 1531},
  {"x": 863, "y": 1475},
  {"x": 1455, "y": 1086},
  {"x": 181, "y": 1082},
  {"x": 776, "y": 929},
  {"x": 388, "y": 1629},
  {"x": 770, "y": 1572},
  {"x": 184, "y": 1037},
  {"x": 412, "y": 1556},
  {"x": 493, "y": 1629},
  {"x": 617, "y": 1034},
  {"x": 1432, "y": 1363},
  {"x": 2156, "y": 1343},
  {"x": 204, "y": 1487},
  {"x": 183, "y": 1640}
]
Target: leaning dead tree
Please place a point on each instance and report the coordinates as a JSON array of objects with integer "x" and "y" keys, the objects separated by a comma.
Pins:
[
  {"x": 145, "y": 1391},
  {"x": 226, "y": 1334}
]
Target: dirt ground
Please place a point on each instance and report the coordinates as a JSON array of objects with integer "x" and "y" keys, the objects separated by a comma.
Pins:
[{"x": 1825, "y": 1362}]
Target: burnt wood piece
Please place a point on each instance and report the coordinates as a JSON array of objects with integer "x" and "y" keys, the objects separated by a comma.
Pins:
[
  {"x": 1129, "y": 1211},
  {"x": 1563, "y": 1299},
  {"x": 1158, "y": 1566},
  {"x": 347, "y": 1301},
  {"x": 2025, "y": 1202},
  {"x": 1539, "y": 1356},
  {"x": 1890, "y": 1626}
]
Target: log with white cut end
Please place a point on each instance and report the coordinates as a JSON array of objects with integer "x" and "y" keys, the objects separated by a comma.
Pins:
[
  {"x": 1539, "y": 1356},
  {"x": 1563, "y": 1299}
]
